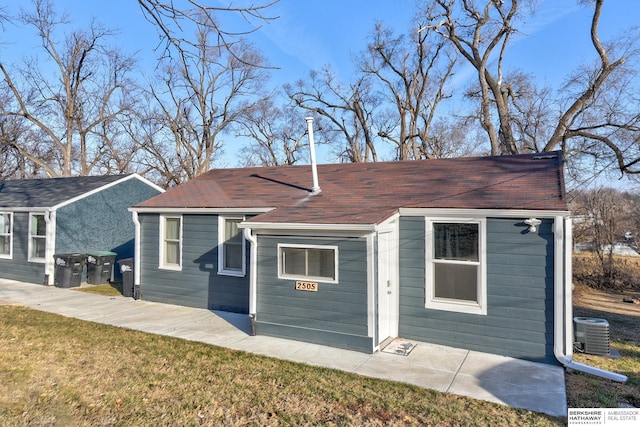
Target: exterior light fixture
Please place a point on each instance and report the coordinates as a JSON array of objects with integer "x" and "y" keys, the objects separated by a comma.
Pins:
[{"x": 533, "y": 224}]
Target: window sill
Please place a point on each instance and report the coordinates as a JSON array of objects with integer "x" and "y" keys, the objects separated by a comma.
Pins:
[
  {"x": 171, "y": 267},
  {"x": 457, "y": 307},
  {"x": 309, "y": 279},
  {"x": 231, "y": 273}
]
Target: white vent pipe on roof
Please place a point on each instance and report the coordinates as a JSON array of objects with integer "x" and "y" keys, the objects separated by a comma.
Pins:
[{"x": 312, "y": 150}]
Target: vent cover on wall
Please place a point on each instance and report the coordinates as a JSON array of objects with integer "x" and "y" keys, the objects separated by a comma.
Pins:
[{"x": 592, "y": 335}]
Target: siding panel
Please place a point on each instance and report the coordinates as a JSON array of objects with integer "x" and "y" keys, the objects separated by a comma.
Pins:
[
  {"x": 19, "y": 268},
  {"x": 198, "y": 284},
  {"x": 519, "y": 320},
  {"x": 101, "y": 221},
  {"x": 335, "y": 315}
]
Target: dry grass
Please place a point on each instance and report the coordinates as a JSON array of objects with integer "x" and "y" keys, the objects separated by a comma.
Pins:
[
  {"x": 112, "y": 289},
  {"x": 56, "y": 371},
  {"x": 61, "y": 371},
  {"x": 624, "y": 321}
]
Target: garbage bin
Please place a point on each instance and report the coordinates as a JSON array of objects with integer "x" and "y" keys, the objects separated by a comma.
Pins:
[
  {"x": 100, "y": 267},
  {"x": 68, "y": 269},
  {"x": 126, "y": 268}
]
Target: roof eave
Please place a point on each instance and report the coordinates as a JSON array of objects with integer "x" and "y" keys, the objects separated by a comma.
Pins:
[
  {"x": 299, "y": 226},
  {"x": 510, "y": 213},
  {"x": 188, "y": 210}
]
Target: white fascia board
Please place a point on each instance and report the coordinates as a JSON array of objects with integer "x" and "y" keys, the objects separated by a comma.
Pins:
[
  {"x": 37, "y": 209},
  {"x": 326, "y": 228},
  {"x": 510, "y": 213},
  {"x": 145, "y": 180},
  {"x": 213, "y": 211},
  {"x": 389, "y": 221}
]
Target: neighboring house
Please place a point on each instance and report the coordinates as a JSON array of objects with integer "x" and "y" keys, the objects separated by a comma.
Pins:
[
  {"x": 623, "y": 249},
  {"x": 441, "y": 251},
  {"x": 43, "y": 217}
]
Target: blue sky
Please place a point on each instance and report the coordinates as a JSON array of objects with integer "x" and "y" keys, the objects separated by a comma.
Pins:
[{"x": 309, "y": 34}]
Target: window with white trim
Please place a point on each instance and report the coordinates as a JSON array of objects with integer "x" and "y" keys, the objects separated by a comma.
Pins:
[
  {"x": 37, "y": 237},
  {"x": 231, "y": 246},
  {"x": 171, "y": 242},
  {"x": 456, "y": 265},
  {"x": 308, "y": 262},
  {"x": 6, "y": 234}
]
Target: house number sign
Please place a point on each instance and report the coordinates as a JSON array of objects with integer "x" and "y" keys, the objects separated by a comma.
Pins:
[{"x": 307, "y": 286}]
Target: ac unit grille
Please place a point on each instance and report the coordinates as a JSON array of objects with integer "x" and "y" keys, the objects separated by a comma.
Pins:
[{"x": 592, "y": 335}]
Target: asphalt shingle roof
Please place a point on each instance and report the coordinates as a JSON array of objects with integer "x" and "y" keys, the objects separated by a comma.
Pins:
[
  {"x": 49, "y": 192},
  {"x": 368, "y": 193}
]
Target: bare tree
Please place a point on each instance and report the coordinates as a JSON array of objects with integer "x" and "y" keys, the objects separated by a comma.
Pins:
[
  {"x": 12, "y": 164},
  {"x": 412, "y": 74},
  {"x": 277, "y": 135},
  {"x": 477, "y": 34},
  {"x": 451, "y": 136},
  {"x": 175, "y": 19},
  {"x": 197, "y": 99},
  {"x": 91, "y": 89},
  {"x": 605, "y": 217},
  {"x": 598, "y": 112},
  {"x": 347, "y": 108}
]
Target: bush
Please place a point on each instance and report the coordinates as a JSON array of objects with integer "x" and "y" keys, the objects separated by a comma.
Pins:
[{"x": 625, "y": 274}]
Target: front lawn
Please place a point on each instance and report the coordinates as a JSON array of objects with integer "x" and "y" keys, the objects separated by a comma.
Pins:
[{"x": 61, "y": 371}]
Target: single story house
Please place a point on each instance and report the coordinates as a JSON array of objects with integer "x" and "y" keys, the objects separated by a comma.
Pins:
[
  {"x": 466, "y": 252},
  {"x": 43, "y": 217}
]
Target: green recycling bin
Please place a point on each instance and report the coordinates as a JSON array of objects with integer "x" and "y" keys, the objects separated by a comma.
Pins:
[
  {"x": 100, "y": 267},
  {"x": 68, "y": 270}
]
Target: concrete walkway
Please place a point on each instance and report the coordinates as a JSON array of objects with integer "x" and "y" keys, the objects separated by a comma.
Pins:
[{"x": 521, "y": 384}]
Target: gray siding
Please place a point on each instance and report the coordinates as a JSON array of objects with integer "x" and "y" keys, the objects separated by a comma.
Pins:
[
  {"x": 18, "y": 268},
  {"x": 519, "y": 320},
  {"x": 102, "y": 222},
  {"x": 335, "y": 315},
  {"x": 198, "y": 284}
]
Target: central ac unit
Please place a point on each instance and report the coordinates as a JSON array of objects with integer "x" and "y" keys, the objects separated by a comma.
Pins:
[{"x": 592, "y": 335}]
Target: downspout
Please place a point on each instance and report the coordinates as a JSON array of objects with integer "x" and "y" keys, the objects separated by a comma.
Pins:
[
  {"x": 50, "y": 247},
  {"x": 563, "y": 307},
  {"x": 253, "y": 274},
  {"x": 136, "y": 249}
]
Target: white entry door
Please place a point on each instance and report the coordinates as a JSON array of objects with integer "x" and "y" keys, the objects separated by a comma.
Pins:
[{"x": 387, "y": 284}]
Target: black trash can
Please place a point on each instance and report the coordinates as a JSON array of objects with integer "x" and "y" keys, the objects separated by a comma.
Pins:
[
  {"x": 126, "y": 268},
  {"x": 68, "y": 270},
  {"x": 100, "y": 267}
]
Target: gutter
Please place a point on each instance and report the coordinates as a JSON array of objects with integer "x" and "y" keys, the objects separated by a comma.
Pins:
[
  {"x": 253, "y": 275},
  {"x": 307, "y": 227},
  {"x": 563, "y": 307}
]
